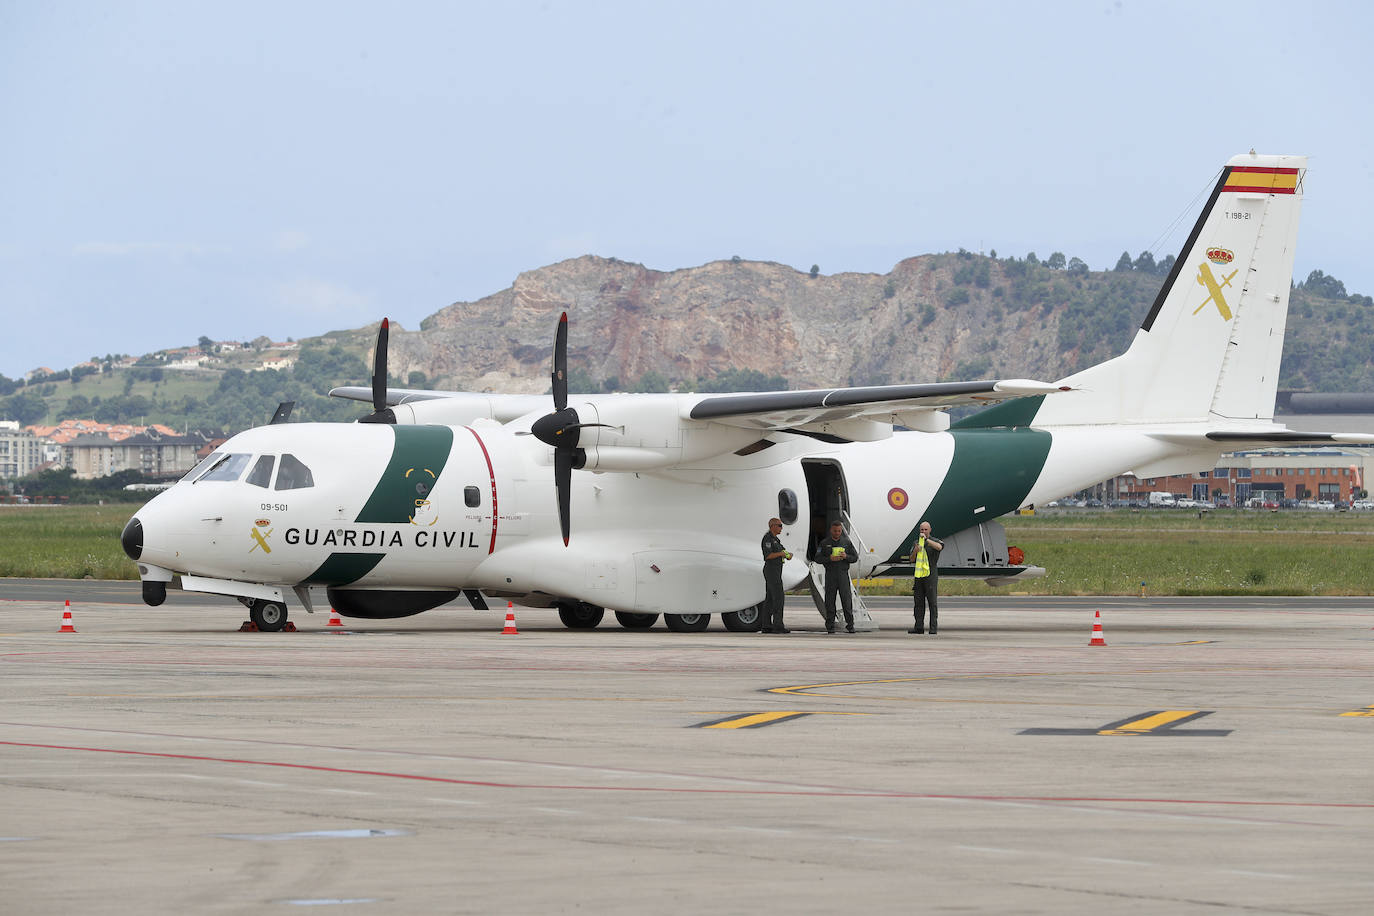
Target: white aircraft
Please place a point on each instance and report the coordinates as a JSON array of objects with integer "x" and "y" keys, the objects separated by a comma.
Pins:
[{"x": 652, "y": 504}]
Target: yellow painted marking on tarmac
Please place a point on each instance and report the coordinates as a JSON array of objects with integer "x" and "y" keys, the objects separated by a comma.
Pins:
[
  {"x": 1367, "y": 711},
  {"x": 1150, "y": 723},
  {"x": 752, "y": 720},
  {"x": 760, "y": 719}
]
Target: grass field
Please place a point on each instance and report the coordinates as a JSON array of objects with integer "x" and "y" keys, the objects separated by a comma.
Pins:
[
  {"x": 1085, "y": 553},
  {"x": 174, "y": 386},
  {"x": 65, "y": 542}
]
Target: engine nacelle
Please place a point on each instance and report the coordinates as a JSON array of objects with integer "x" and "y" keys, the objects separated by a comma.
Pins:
[{"x": 642, "y": 434}]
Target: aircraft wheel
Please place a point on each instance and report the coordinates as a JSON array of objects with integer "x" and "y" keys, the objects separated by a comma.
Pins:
[
  {"x": 269, "y": 616},
  {"x": 631, "y": 621},
  {"x": 687, "y": 623},
  {"x": 580, "y": 616},
  {"x": 749, "y": 620}
]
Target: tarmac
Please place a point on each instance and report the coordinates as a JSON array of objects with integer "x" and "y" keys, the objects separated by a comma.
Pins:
[{"x": 1213, "y": 757}]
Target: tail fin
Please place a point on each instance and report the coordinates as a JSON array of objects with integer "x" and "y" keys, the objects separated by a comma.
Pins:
[{"x": 1211, "y": 344}]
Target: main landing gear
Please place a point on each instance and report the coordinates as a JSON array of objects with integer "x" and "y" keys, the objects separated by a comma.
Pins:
[{"x": 579, "y": 615}]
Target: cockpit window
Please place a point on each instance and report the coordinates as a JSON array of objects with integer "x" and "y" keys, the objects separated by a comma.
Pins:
[
  {"x": 202, "y": 466},
  {"x": 261, "y": 475},
  {"x": 228, "y": 467},
  {"x": 293, "y": 475}
]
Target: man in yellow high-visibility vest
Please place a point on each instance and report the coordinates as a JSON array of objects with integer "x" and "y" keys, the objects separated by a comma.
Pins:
[{"x": 925, "y": 556}]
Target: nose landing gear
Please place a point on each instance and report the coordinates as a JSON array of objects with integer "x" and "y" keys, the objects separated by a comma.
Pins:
[{"x": 267, "y": 616}]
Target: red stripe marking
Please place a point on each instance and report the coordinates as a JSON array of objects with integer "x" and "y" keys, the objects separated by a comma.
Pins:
[
  {"x": 491, "y": 471},
  {"x": 818, "y": 792},
  {"x": 1260, "y": 189},
  {"x": 1263, "y": 170}
]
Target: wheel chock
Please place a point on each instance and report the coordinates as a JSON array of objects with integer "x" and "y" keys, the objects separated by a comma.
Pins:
[{"x": 248, "y": 627}]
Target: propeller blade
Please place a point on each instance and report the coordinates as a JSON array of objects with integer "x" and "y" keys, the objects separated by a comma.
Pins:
[
  {"x": 562, "y": 479},
  {"x": 379, "y": 368},
  {"x": 560, "y": 364}
]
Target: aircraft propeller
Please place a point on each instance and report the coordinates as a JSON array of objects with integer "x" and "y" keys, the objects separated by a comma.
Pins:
[
  {"x": 380, "y": 412},
  {"x": 562, "y": 430}
]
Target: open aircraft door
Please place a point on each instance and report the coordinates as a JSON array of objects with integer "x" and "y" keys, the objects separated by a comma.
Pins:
[{"x": 828, "y": 499}]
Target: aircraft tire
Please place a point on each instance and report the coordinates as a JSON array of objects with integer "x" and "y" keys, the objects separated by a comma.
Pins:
[
  {"x": 269, "y": 616},
  {"x": 687, "y": 623},
  {"x": 580, "y": 616},
  {"x": 632, "y": 621},
  {"x": 747, "y": 620}
]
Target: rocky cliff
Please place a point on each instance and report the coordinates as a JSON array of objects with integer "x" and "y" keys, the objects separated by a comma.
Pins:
[{"x": 932, "y": 317}]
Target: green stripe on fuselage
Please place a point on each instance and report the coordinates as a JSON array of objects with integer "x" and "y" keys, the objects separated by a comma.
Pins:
[
  {"x": 1010, "y": 414},
  {"x": 417, "y": 460},
  {"x": 993, "y": 469},
  {"x": 343, "y": 568}
]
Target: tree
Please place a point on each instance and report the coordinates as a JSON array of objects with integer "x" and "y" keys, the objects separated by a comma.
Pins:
[
  {"x": 1056, "y": 261},
  {"x": 1145, "y": 263},
  {"x": 1032, "y": 259},
  {"x": 1165, "y": 266},
  {"x": 652, "y": 381},
  {"x": 815, "y": 271},
  {"x": 1124, "y": 262},
  {"x": 1319, "y": 284},
  {"x": 27, "y": 407},
  {"x": 417, "y": 379},
  {"x": 77, "y": 406},
  {"x": 206, "y": 344},
  {"x": 1078, "y": 266}
]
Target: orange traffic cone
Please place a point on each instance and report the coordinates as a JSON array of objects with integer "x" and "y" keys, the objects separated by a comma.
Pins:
[
  {"x": 334, "y": 620},
  {"x": 1097, "y": 639},
  {"x": 509, "y": 629},
  {"x": 67, "y": 620}
]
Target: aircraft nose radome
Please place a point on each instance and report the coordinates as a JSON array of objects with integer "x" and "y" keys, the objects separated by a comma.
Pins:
[{"x": 132, "y": 539}]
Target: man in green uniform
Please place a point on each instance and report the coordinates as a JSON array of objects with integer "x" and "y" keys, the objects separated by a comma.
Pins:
[
  {"x": 836, "y": 553},
  {"x": 774, "y": 553}
]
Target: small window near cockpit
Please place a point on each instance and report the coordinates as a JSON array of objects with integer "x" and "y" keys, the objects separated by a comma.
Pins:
[
  {"x": 293, "y": 475},
  {"x": 472, "y": 497},
  {"x": 228, "y": 467},
  {"x": 787, "y": 506},
  {"x": 261, "y": 475}
]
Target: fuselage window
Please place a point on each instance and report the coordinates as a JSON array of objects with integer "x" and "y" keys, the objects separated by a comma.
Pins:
[
  {"x": 261, "y": 475},
  {"x": 472, "y": 497},
  {"x": 228, "y": 467},
  {"x": 787, "y": 506},
  {"x": 294, "y": 475}
]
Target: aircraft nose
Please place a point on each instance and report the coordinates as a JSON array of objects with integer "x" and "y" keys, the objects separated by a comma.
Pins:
[{"x": 132, "y": 538}]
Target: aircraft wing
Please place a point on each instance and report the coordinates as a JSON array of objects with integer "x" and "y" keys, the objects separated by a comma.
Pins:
[
  {"x": 844, "y": 412},
  {"x": 394, "y": 396}
]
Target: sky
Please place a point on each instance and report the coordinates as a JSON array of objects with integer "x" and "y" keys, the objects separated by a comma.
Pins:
[{"x": 177, "y": 168}]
